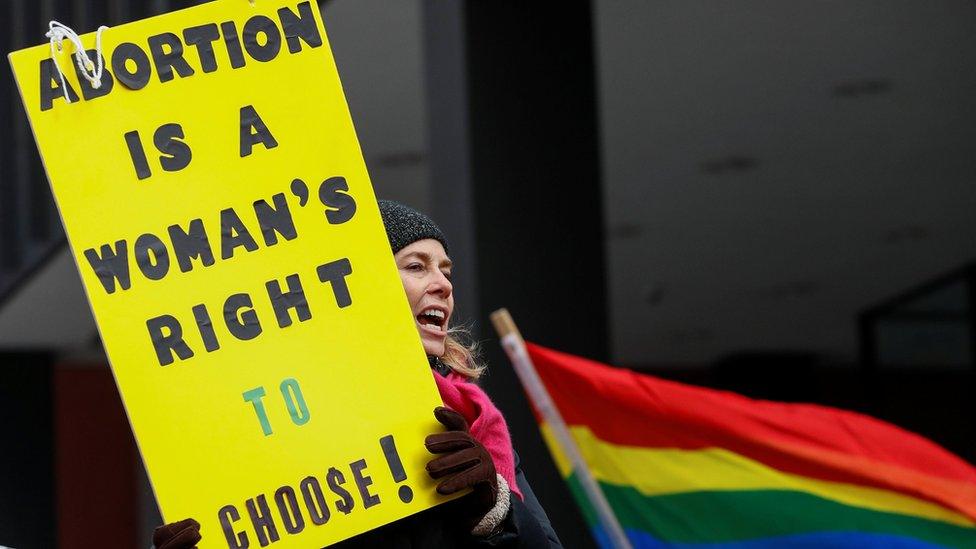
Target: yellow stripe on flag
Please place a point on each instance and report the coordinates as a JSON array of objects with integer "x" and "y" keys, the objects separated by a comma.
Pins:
[{"x": 657, "y": 471}]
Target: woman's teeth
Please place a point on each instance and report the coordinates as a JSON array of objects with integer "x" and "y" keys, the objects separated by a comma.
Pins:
[{"x": 432, "y": 318}]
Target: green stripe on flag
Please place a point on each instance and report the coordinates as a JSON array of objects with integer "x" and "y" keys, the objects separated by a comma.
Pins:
[{"x": 721, "y": 516}]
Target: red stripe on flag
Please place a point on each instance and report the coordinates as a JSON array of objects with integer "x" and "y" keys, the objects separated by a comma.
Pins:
[{"x": 622, "y": 407}]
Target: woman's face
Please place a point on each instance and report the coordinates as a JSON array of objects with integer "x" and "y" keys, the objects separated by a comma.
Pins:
[{"x": 425, "y": 271}]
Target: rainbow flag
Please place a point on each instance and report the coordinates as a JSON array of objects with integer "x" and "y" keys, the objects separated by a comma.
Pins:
[{"x": 684, "y": 466}]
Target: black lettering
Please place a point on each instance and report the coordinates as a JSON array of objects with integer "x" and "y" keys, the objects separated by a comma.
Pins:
[
  {"x": 300, "y": 27},
  {"x": 335, "y": 272},
  {"x": 88, "y": 91},
  {"x": 176, "y": 153},
  {"x": 138, "y": 154},
  {"x": 291, "y": 515},
  {"x": 137, "y": 78},
  {"x": 335, "y": 480},
  {"x": 250, "y": 120},
  {"x": 189, "y": 245},
  {"x": 227, "y": 516},
  {"x": 51, "y": 85},
  {"x": 275, "y": 220},
  {"x": 246, "y": 325},
  {"x": 294, "y": 298},
  {"x": 388, "y": 443},
  {"x": 154, "y": 265},
  {"x": 205, "y": 325},
  {"x": 259, "y": 24},
  {"x": 166, "y": 345},
  {"x": 233, "y": 43},
  {"x": 363, "y": 482},
  {"x": 167, "y": 61},
  {"x": 340, "y": 205},
  {"x": 262, "y": 520},
  {"x": 318, "y": 510},
  {"x": 233, "y": 233},
  {"x": 111, "y": 265},
  {"x": 202, "y": 38}
]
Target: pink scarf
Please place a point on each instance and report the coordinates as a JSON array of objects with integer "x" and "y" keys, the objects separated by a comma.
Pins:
[{"x": 486, "y": 423}]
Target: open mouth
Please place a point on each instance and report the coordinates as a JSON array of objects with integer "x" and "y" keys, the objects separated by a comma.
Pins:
[{"x": 433, "y": 319}]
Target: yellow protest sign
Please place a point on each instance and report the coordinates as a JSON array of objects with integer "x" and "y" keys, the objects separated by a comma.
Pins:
[{"x": 218, "y": 207}]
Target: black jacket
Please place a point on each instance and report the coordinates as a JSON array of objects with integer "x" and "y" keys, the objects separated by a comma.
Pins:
[{"x": 526, "y": 526}]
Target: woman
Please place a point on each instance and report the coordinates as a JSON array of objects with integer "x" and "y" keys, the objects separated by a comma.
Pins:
[{"x": 474, "y": 452}]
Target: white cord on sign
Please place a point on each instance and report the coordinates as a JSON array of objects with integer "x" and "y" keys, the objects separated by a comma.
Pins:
[{"x": 57, "y": 33}]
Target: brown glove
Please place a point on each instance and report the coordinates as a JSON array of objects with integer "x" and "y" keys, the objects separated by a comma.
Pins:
[
  {"x": 463, "y": 463},
  {"x": 177, "y": 535}
]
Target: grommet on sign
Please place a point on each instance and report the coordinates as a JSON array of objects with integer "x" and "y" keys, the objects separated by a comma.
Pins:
[{"x": 57, "y": 33}]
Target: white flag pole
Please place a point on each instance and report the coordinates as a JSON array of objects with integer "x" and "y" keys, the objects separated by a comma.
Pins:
[{"x": 514, "y": 346}]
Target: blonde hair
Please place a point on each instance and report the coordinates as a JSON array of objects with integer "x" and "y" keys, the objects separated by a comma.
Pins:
[{"x": 461, "y": 357}]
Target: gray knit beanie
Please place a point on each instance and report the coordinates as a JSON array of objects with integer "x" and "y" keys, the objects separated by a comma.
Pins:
[{"x": 405, "y": 225}]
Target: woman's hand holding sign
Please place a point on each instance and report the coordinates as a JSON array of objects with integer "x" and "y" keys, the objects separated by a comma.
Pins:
[
  {"x": 463, "y": 463},
  {"x": 177, "y": 535}
]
